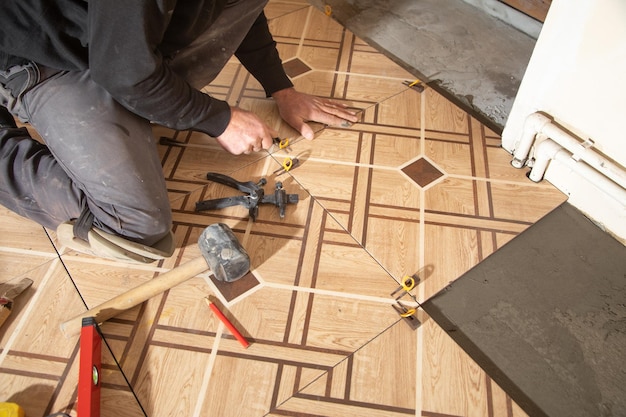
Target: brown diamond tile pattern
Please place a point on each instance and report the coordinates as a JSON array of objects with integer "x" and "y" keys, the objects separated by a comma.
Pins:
[
  {"x": 232, "y": 290},
  {"x": 295, "y": 67},
  {"x": 422, "y": 172}
]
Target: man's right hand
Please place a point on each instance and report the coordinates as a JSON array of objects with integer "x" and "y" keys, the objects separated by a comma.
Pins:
[{"x": 246, "y": 133}]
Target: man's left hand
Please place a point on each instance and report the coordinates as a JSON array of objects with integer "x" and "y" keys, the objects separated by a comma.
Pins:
[{"x": 298, "y": 108}]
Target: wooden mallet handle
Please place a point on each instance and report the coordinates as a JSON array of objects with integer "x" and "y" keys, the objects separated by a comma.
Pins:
[{"x": 137, "y": 295}]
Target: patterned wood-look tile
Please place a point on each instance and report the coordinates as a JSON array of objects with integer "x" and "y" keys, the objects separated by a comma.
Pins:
[{"x": 417, "y": 187}]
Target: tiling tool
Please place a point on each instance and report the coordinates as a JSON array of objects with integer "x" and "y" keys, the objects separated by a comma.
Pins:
[
  {"x": 255, "y": 196},
  {"x": 8, "y": 292},
  {"x": 221, "y": 253},
  {"x": 415, "y": 85},
  {"x": 407, "y": 313},
  {"x": 282, "y": 144},
  {"x": 288, "y": 164},
  {"x": 229, "y": 325},
  {"x": 89, "y": 369},
  {"x": 408, "y": 283}
]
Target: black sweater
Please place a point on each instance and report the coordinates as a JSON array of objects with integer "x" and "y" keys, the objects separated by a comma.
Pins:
[{"x": 125, "y": 43}]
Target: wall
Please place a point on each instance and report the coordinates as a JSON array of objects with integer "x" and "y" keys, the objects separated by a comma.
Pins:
[{"x": 577, "y": 75}]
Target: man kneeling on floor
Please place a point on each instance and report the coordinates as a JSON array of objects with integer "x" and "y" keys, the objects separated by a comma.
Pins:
[{"x": 91, "y": 76}]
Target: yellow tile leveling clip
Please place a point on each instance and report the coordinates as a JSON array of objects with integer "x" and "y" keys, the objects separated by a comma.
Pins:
[
  {"x": 408, "y": 283},
  {"x": 11, "y": 410},
  {"x": 288, "y": 164},
  {"x": 282, "y": 143},
  {"x": 415, "y": 85},
  {"x": 407, "y": 313}
]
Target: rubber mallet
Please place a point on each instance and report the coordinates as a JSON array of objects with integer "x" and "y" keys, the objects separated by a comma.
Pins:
[{"x": 221, "y": 253}]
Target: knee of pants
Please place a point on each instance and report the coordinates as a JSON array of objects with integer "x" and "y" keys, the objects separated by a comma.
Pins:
[
  {"x": 156, "y": 229},
  {"x": 143, "y": 226}
]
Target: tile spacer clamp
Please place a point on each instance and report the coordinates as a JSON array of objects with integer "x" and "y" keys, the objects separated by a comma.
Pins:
[
  {"x": 281, "y": 143},
  {"x": 255, "y": 196},
  {"x": 408, "y": 314},
  {"x": 408, "y": 283},
  {"x": 89, "y": 370},
  {"x": 415, "y": 85}
]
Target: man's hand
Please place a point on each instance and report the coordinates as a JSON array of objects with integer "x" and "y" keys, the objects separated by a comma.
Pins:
[
  {"x": 246, "y": 133},
  {"x": 298, "y": 108}
]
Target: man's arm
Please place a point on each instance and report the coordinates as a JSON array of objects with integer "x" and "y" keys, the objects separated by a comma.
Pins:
[
  {"x": 258, "y": 54},
  {"x": 125, "y": 60}
]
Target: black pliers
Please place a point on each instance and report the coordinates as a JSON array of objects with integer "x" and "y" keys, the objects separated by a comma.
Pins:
[{"x": 255, "y": 196}]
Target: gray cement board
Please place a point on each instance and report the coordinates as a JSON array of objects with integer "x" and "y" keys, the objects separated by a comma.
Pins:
[
  {"x": 471, "y": 57},
  {"x": 545, "y": 316}
]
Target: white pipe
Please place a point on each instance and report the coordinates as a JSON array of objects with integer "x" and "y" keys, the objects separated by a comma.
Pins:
[
  {"x": 545, "y": 151},
  {"x": 532, "y": 126},
  {"x": 548, "y": 150},
  {"x": 537, "y": 124}
]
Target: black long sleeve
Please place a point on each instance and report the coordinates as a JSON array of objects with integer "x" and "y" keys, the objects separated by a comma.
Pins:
[
  {"x": 125, "y": 58},
  {"x": 125, "y": 45},
  {"x": 259, "y": 56}
]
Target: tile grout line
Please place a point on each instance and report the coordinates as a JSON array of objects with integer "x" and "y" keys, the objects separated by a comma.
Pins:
[
  {"x": 304, "y": 30},
  {"x": 500, "y": 181},
  {"x": 27, "y": 313},
  {"x": 422, "y": 238},
  {"x": 419, "y": 334},
  {"x": 447, "y": 175},
  {"x": 419, "y": 351},
  {"x": 206, "y": 379},
  {"x": 92, "y": 260},
  {"x": 350, "y": 73},
  {"x": 338, "y": 294},
  {"x": 353, "y": 164},
  {"x": 43, "y": 254}
]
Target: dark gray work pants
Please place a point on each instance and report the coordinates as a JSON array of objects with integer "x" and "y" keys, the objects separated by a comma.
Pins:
[{"x": 98, "y": 154}]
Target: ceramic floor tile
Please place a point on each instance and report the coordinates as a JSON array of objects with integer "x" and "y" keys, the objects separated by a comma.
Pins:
[{"x": 417, "y": 188}]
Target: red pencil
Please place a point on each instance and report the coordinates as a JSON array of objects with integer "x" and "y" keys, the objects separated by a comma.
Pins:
[{"x": 228, "y": 324}]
